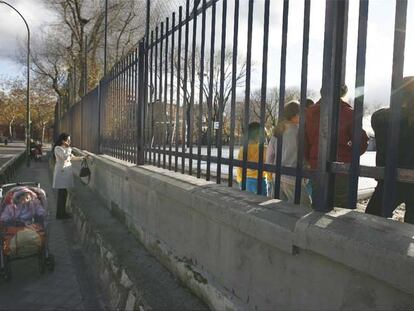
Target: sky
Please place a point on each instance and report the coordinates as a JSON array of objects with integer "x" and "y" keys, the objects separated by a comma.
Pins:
[{"x": 379, "y": 46}]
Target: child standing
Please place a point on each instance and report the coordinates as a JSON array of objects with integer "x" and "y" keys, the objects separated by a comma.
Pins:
[
  {"x": 288, "y": 129},
  {"x": 252, "y": 156}
]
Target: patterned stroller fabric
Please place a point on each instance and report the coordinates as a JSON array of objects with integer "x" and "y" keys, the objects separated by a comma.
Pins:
[
  {"x": 23, "y": 205},
  {"x": 22, "y": 221}
]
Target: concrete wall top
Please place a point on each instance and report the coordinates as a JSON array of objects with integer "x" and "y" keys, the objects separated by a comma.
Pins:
[{"x": 378, "y": 247}]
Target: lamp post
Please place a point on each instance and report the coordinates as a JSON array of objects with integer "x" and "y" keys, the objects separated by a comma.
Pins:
[
  {"x": 106, "y": 36},
  {"x": 28, "y": 84}
]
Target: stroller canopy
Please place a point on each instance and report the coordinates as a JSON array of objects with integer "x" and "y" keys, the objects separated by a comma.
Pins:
[{"x": 22, "y": 204}]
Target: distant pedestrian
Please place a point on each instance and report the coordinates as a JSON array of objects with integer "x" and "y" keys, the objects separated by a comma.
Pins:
[
  {"x": 287, "y": 129},
  {"x": 380, "y": 122},
  {"x": 252, "y": 156},
  {"x": 63, "y": 175},
  {"x": 344, "y": 151}
]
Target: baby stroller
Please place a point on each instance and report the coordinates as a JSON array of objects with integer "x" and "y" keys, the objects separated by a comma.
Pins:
[{"x": 23, "y": 226}]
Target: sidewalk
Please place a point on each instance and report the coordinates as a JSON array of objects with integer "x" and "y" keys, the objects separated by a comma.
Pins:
[{"x": 72, "y": 286}]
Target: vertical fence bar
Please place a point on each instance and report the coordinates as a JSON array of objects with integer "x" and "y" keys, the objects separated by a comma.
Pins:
[
  {"x": 233, "y": 89},
  {"x": 115, "y": 104},
  {"x": 123, "y": 107},
  {"x": 281, "y": 95},
  {"x": 155, "y": 95},
  {"x": 390, "y": 180},
  {"x": 164, "y": 158},
  {"x": 358, "y": 103},
  {"x": 100, "y": 96},
  {"x": 332, "y": 78},
  {"x": 201, "y": 94},
  {"x": 135, "y": 105},
  {"x": 114, "y": 101},
  {"x": 120, "y": 106},
  {"x": 219, "y": 136},
  {"x": 260, "y": 189},
  {"x": 247, "y": 93},
  {"x": 147, "y": 86},
  {"x": 114, "y": 107},
  {"x": 170, "y": 132},
  {"x": 126, "y": 112},
  {"x": 303, "y": 97},
  {"x": 131, "y": 107},
  {"x": 177, "y": 113},
  {"x": 141, "y": 102},
  {"x": 118, "y": 101},
  {"x": 152, "y": 96},
  {"x": 210, "y": 89},
  {"x": 111, "y": 116},
  {"x": 160, "y": 99},
  {"x": 190, "y": 115},
  {"x": 108, "y": 114},
  {"x": 185, "y": 97}
]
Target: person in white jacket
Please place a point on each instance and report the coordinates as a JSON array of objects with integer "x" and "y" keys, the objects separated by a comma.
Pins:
[
  {"x": 288, "y": 128},
  {"x": 62, "y": 175}
]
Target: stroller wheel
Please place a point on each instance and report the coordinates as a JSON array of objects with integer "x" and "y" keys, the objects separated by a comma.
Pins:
[
  {"x": 50, "y": 263},
  {"x": 6, "y": 272},
  {"x": 42, "y": 261}
]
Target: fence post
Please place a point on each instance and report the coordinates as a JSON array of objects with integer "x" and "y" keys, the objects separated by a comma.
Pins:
[
  {"x": 332, "y": 78},
  {"x": 140, "y": 105},
  {"x": 98, "y": 145}
]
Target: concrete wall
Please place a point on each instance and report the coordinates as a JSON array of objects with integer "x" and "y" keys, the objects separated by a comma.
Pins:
[{"x": 239, "y": 251}]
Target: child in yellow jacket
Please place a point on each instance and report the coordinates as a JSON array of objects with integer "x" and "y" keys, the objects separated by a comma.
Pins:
[{"x": 252, "y": 156}]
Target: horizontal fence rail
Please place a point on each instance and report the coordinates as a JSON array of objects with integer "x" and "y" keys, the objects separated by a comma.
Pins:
[{"x": 182, "y": 100}]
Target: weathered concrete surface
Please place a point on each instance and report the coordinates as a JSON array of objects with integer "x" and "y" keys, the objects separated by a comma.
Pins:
[
  {"x": 241, "y": 251},
  {"x": 133, "y": 278}
]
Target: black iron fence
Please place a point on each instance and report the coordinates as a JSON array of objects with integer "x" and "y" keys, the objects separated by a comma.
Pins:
[{"x": 182, "y": 100}]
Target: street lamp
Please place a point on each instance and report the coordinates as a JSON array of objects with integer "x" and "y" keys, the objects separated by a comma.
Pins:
[{"x": 28, "y": 84}]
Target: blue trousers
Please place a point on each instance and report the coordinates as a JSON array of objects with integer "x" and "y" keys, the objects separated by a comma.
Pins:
[{"x": 251, "y": 186}]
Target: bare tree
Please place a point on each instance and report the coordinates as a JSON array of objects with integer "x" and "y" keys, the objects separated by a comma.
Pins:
[{"x": 205, "y": 77}]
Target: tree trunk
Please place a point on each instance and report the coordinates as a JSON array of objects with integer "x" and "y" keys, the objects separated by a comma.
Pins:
[
  {"x": 43, "y": 133},
  {"x": 11, "y": 130}
]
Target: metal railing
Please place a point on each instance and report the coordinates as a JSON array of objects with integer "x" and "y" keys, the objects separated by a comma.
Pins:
[
  {"x": 173, "y": 101},
  {"x": 8, "y": 170}
]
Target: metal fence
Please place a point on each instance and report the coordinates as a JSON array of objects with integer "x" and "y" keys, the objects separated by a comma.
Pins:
[{"x": 166, "y": 102}]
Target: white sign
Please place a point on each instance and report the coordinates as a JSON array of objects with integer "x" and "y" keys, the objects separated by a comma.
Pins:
[{"x": 216, "y": 125}]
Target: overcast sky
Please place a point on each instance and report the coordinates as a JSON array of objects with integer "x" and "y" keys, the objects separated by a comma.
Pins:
[{"x": 379, "y": 51}]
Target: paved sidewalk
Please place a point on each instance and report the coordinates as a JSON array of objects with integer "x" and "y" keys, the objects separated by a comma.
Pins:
[{"x": 72, "y": 286}]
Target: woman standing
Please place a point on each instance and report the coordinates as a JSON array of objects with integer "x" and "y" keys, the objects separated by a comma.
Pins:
[
  {"x": 62, "y": 176},
  {"x": 288, "y": 129}
]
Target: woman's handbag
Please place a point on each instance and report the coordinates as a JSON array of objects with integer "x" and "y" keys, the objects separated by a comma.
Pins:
[{"x": 85, "y": 172}]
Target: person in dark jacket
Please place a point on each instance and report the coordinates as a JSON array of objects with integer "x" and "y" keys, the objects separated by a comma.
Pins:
[
  {"x": 344, "y": 154},
  {"x": 380, "y": 121}
]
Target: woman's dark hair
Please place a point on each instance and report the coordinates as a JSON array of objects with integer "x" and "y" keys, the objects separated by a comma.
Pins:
[
  {"x": 291, "y": 110},
  {"x": 344, "y": 90},
  {"x": 309, "y": 102},
  {"x": 62, "y": 137},
  {"x": 253, "y": 132}
]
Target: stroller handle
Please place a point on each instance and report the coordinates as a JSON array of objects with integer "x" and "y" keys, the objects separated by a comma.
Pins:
[{"x": 30, "y": 183}]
